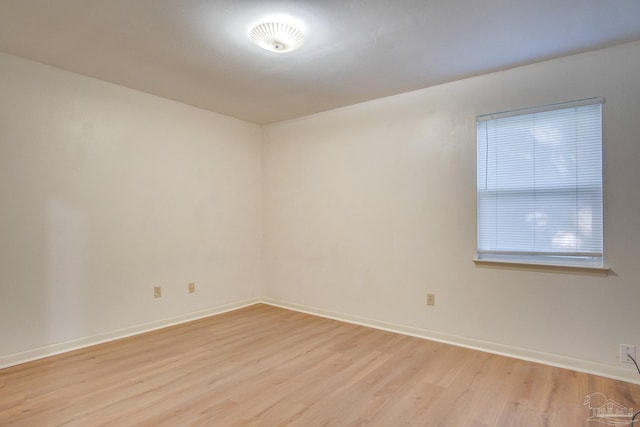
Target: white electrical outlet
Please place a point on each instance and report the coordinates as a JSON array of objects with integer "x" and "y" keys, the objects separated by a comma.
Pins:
[
  {"x": 431, "y": 299},
  {"x": 627, "y": 350}
]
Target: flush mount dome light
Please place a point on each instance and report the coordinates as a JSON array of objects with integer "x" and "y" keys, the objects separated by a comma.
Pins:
[{"x": 277, "y": 37}]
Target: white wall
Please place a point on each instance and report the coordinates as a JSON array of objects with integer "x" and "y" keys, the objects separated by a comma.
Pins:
[
  {"x": 106, "y": 192},
  {"x": 369, "y": 207}
]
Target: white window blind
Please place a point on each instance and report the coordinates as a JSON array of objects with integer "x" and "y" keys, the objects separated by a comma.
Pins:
[{"x": 540, "y": 184}]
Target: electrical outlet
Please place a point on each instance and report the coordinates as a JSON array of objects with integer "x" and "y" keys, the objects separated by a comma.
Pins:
[
  {"x": 627, "y": 350},
  {"x": 157, "y": 291},
  {"x": 431, "y": 299},
  {"x": 192, "y": 287}
]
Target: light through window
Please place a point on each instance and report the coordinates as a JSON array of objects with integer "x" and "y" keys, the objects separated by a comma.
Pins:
[{"x": 539, "y": 184}]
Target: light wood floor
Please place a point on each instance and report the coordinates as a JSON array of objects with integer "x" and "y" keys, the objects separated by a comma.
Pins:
[{"x": 265, "y": 366}]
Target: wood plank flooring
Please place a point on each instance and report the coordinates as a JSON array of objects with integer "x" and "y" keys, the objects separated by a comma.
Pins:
[{"x": 265, "y": 366}]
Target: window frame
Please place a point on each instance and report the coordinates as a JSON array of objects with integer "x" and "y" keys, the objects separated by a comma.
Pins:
[{"x": 577, "y": 261}]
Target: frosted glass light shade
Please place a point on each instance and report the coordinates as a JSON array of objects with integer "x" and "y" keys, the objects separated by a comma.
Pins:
[{"x": 277, "y": 37}]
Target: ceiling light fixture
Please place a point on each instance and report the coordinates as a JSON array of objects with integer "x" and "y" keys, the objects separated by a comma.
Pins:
[{"x": 277, "y": 37}]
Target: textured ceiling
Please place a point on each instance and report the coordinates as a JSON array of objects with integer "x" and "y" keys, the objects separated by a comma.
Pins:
[{"x": 198, "y": 51}]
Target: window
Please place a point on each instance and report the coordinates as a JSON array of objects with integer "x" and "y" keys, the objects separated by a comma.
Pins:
[{"x": 540, "y": 184}]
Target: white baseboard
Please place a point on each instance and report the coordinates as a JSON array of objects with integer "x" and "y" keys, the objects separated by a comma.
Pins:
[
  {"x": 480, "y": 345},
  {"x": 558, "y": 361},
  {"x": 63, "y": 347}
]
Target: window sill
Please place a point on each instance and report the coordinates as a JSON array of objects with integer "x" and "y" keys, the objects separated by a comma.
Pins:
[{"x": 591, "y": 270}]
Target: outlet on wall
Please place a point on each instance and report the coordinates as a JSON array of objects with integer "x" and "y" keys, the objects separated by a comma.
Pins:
[
  {"x": 192, "y": 287},
  {"x": 627, "y": 350},
  {"x": 431, "y": 299},
  {"x": 157, "y": 291}
]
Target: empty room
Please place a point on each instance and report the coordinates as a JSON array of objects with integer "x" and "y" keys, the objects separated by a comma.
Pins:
[{"x": 319, "y": 213}]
